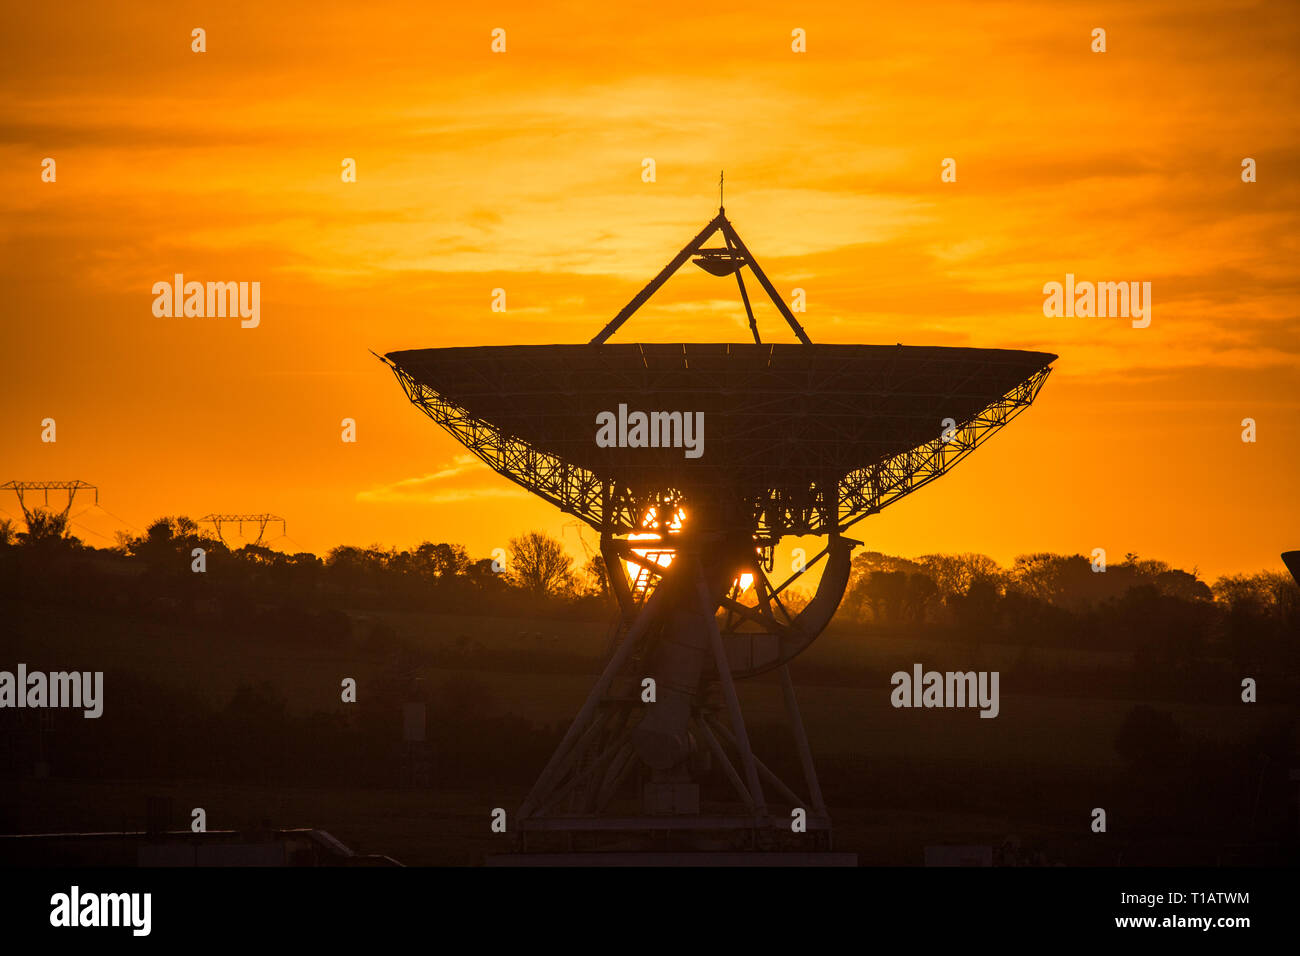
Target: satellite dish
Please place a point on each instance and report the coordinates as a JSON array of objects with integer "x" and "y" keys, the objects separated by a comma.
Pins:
[{"x": 793, "y": 439}]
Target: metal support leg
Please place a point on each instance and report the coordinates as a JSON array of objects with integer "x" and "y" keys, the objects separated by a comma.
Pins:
[
  {"x": 647, "y": 617},
  {"x": 736, "y": 783},
  {"x": 764, "y": 771},
  {"x": 707, "y": 604},
  {"x": 801, "y": 741}
]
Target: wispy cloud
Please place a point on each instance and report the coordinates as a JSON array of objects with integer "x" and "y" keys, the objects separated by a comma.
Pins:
[{"x": 456, "y": 482}]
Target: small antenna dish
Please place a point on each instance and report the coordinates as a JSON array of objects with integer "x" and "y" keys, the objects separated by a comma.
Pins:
[{"x": 718, "y": 262}]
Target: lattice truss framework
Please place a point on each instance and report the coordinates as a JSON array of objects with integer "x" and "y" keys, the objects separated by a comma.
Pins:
[
  {"x": 613, "y": 508},
  {"x": 21, "y": 488},
  {"x": 261, "y": 520}
]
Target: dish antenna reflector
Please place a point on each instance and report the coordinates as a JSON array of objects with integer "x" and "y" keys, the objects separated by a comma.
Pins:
[{"x": 801, "y": 439}]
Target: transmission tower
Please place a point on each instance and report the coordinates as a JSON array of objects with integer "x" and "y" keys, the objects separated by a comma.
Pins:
[
  {"x": 262, "y": 521},
  {"x": 20, "y": 488},
  {"x": 581, "y": 540}
]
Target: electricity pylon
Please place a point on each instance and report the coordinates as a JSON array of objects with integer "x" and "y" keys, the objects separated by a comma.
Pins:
[
  {"x": 262, "y": 521},
  {"x": 71, "y": 487}
]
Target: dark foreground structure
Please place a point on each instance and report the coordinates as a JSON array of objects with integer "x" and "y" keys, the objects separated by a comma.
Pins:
[
  {"x": 742, "y": 445},
  {"x": 171, "y": 848}
]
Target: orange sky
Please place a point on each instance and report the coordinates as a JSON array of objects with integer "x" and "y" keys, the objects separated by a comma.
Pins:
[{"x": 523, "y": 171}]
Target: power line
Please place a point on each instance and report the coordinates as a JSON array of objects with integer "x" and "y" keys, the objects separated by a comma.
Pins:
[
  {"x": 118, "y": 518},
  {"x": 91, "y": 530}
]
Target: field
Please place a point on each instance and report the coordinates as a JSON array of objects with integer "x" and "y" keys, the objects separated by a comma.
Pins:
[{"x": 896, "y": 780}]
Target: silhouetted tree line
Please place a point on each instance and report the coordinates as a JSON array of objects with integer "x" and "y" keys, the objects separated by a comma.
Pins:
[
  {"x": 1163, "y": 615},
  {"x": 157, "y": 571}
]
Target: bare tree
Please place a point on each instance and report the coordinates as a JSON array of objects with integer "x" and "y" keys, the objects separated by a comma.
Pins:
[
  {"x": 955, "y": 573},
  {"x": 540, "y": 564}
]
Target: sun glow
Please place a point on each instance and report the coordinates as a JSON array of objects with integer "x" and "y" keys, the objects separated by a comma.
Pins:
[{"x": 663, "y": 557}]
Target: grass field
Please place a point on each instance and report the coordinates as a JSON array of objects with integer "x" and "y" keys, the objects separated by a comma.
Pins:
[{"x": 896, "y": 779}]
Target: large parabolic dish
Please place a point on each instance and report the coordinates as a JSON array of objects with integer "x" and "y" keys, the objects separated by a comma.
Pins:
[{"x": 797, "y": 439}]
